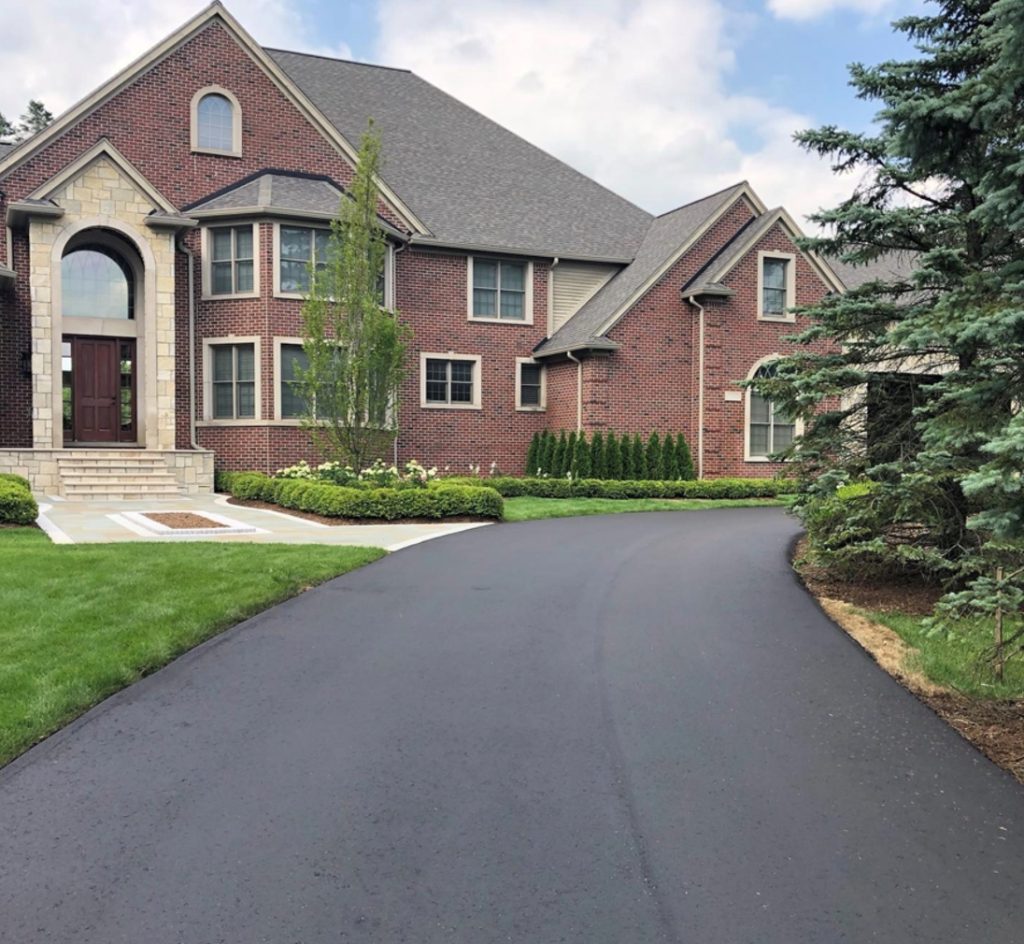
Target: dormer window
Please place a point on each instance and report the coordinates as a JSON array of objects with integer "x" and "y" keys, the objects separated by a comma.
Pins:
[{"x": 216, "y": 122}]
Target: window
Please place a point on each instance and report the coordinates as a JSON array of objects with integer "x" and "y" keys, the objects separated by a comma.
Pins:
[
  {"x": 292, "y": 359},
  {"x": 449, "y": 381},
  {"x": 299, "y": 247},
  {"x": 530, "y": 386},
  {"x": 232, "y": 371},
  {"x": 776, "y": 288},
  {"x": 96, "y": 283},
  {"x": 500, "y": 290},
  {"x": 216, "y": 122},
  {"x": 231, "y": 251},
  {"x": 769, "y": 430}
]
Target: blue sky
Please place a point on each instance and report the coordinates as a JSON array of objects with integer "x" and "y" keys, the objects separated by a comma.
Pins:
[{"x": 661, "y": 100}]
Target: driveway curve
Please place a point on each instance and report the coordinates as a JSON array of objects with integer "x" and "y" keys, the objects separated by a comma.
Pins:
[{"x": 634, "y": 728}]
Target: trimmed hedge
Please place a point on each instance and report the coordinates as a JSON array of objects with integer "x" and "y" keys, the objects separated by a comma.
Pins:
[
  {"x": 510, "y": 487},
  {"x": 444, "y": 500},
  {"x": 17, "y": 506}
]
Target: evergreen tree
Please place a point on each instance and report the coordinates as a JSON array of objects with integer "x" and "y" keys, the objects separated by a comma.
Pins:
[
  {"x": 532, "y": 455},
  {"x": 684, "y": 461},
  {"x": 938, "y": 212},
  {"x": 6, "y": 129},
  {"x": 547, "y": 452},
  {"x": 638, "y": 457},
  {"x": 612, "y": 457},
  {"x": 34, "y": 120},
  {"x": 655, "y": 466},
  {"x": 558, "y": 458},
  {"x": 670, "y": 461},
  {"x": 570, "y": 454},
  {"x": 598, "y": 464},
  {"x": 626, "y": 453},
  {"x": 581, "y": 458}
]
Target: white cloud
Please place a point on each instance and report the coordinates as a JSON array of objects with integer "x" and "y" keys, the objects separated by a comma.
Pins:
[
  {"x": 58, "y": 51},
  {"x": 812, "y": 9},
  {"x": 632, "y": 93}
]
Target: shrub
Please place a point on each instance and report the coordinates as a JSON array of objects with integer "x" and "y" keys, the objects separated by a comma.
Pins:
[
  {"x": 612, "y": 458},
  {"x": 684, "y": 461},
  {"x": 655, "y": 463},
  {"x": 510, "y": 487},
  {"x": 533, "y": 455},
  {"x": 16, "y": 480},
  {"x": 17, "y": 506},
  {"x": 639, "y": 458},
  {"x": 581, "y": 458},
  {"x": 598, "y": 457}
]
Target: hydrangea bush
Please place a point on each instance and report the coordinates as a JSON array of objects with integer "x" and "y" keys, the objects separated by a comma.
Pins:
[{"x": 379, "y": 474}]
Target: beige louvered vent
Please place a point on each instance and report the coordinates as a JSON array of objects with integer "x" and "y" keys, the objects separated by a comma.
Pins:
[{"x": 573, "y": 284}]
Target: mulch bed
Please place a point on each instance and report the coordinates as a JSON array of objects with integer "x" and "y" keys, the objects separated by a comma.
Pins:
[
  {"x": 182, "y": 520},
  {"x": 335, "y": 522},
  {"x": 996, "y": 728}
]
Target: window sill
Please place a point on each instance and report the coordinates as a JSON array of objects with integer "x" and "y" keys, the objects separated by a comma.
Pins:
[
  {"x": 228, "y": 297},
  {"x": 531, "y": 409},
  {"x": 216, "y": 152},
  {"x": 785, "y": 319},
  {"x": 247, "y": 422},
  {"x": 504, "y": 321},
  {"x": 450, "y": 406}
]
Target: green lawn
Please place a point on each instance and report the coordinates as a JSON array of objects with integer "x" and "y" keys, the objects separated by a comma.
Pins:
[
  {"x": 956, "y": 660},
  {"x": 78, "y": 623},
  {"x": 528, "y": 509}
]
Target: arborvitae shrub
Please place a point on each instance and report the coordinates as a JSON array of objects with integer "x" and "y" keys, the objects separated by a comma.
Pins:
[
  {"x": 638, "y": 457},
  {"x": 655, "y": 467},
  {"x": 683, "y": 459},
  {"x": 612, "y": 457},
  {"x": 581, "y": 458},
  {"x": 531, "y": 455},
  {"x": 670, "y": 465},
  {"x": 558, "y": 461},
  {"x": 598, "y": 464},
  {"x": 547, "y": 452}
]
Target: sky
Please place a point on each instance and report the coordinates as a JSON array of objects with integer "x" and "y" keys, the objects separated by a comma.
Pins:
[{"x": 662, "y": 101}]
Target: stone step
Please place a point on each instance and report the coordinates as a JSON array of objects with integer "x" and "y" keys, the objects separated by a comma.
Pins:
[
  {"x": 111, "y": 463},
  {"x": 119, "y": 477}
]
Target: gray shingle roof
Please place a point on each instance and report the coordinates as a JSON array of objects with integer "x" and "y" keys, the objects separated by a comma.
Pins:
[
  {"x": 471, "y": 181},
  {"x": 272, "y": 191},
  {"x": 664, "y": 237},
  {"x": 5, "y": 148},
  {"x": 890, "y": 265}
]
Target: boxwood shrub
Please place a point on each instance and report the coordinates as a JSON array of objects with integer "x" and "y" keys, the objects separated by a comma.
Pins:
[
  {"x": 17, "y": 506},
  {"x": 445, "y": 500},
  {"x": 513, "y": 487}
]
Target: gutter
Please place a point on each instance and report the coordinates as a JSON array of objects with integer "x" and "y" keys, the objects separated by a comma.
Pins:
[
  {"x": 700, "y": 386},
  {"x": 579, "y": 389}
]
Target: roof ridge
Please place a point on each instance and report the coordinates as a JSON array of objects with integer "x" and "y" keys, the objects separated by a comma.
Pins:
[
  {"x": 351, "y": 62},
  {"x": 735, "y": 186}
]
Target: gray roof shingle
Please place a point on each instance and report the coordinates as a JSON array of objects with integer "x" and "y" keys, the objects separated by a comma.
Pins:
[
  {"x": 665, "y": 236},
  {"x": 276, "y": 192},
  {"x": 5, "y": 148},
  {"x": 471, "y": 181},
  {"x": 888, "y": 266}
]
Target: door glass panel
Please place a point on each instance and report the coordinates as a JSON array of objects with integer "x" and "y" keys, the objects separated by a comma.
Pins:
[{"x": 67, "y": 382}]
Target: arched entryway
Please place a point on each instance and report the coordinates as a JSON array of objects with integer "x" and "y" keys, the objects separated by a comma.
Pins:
[{"x": 101, "y": 289}]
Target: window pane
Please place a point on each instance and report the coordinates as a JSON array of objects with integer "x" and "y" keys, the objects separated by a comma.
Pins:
[
  {"x": 437, "y": 370},
  {"x": 243, "y": 277},
  {"x": 215, "y": 118},
  {"x": 323, "y": 237},
  {"x": 462, "y": 371},
  {"x": 485, "y": 274},
  {"x": 484, "y": 302},
  {"x": 513, "y": 276},
  {"x": 221, "y": 272},
  {"x": 531, "y": 374},
  {"x": 221, "y": 243},
  {"x": 243, "y": 242},
  {"x": 512, "y": 305},
  {"x": 758, "y": 439},
  {"x": 246, "y": 362},
  {"x": 296, "y": 243},
  {"x": 529, "y": 384},
  {"x": 775, "y": 273},
  {"x": 759, "y": 411},
  {"x": 782, "y": 436},
  {"x": 223, "y": 403},
  {"x": 246, "y": 400},
  {"x": 222, "y": 366},
  {"x": 294, "y": 276},
  {"x": 292, "y": 357},
  {"x": 774, "y": 302},
  {"x": 95, "y": 284},
  {"x": 462, "y": 392}
]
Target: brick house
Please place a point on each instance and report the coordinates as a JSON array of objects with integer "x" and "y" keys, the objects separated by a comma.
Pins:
[{"x": 158, "y": 237}]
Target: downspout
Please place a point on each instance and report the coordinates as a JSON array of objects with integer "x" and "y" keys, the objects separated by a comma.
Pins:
[
  {"x": 579, "y": 390},
  {"x": 700, "y": 386},
  {"x": 393, "y": 262},
  {"x": 191, "y": 342}
]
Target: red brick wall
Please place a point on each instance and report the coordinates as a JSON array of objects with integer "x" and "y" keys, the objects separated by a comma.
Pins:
[{"x": 15, "y": 342}]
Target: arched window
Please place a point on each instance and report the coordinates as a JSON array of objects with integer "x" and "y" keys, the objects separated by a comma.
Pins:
[
  {"x": 216, "y": 122},
  {"x": 96, "y": 283},
  {"x": 769, "y": 430}
]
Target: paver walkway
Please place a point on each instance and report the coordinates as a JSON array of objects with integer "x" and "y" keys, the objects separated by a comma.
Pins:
[{"x": 621, "y": 730}]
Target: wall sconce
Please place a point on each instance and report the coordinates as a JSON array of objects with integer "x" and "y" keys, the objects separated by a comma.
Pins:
[{"x": 26, "y": 364}]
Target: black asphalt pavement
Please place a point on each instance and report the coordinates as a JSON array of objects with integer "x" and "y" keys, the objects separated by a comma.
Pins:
[{"x": 635, "y": 728}]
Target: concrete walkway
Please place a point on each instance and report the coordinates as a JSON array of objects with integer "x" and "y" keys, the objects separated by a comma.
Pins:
[{"x": 104, "y": 522}]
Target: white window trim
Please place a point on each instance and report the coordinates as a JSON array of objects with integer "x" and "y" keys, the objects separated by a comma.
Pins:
[
  {"x": 208, "y": 344},
  {"x": 236, "y": 124},
  {"x": 790, "y": 259},
  {"x": 527, "y": 318},
  {"x": 451, "y": 356},
  {"x": 278, "y": 418},
  {"x": 531, "y": 408},
  {"x": 798, "y": 426},
  {"x": 207, "y": 261}
]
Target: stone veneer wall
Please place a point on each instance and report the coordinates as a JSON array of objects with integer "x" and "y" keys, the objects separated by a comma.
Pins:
[{"x": 101, "y": 195}]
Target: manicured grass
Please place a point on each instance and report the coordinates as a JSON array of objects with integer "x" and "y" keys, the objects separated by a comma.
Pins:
[
  {"x": 528, "y": 509},
  {"x": 956, "y": 660},
  {"x": 78, "y": 623}
]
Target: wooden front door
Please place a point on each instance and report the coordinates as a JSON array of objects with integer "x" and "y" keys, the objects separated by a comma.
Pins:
[{"x": 103, "y": 390}]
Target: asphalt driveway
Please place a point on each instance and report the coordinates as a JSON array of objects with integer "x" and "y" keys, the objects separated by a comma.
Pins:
[{"x": 627, "y": 729}]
